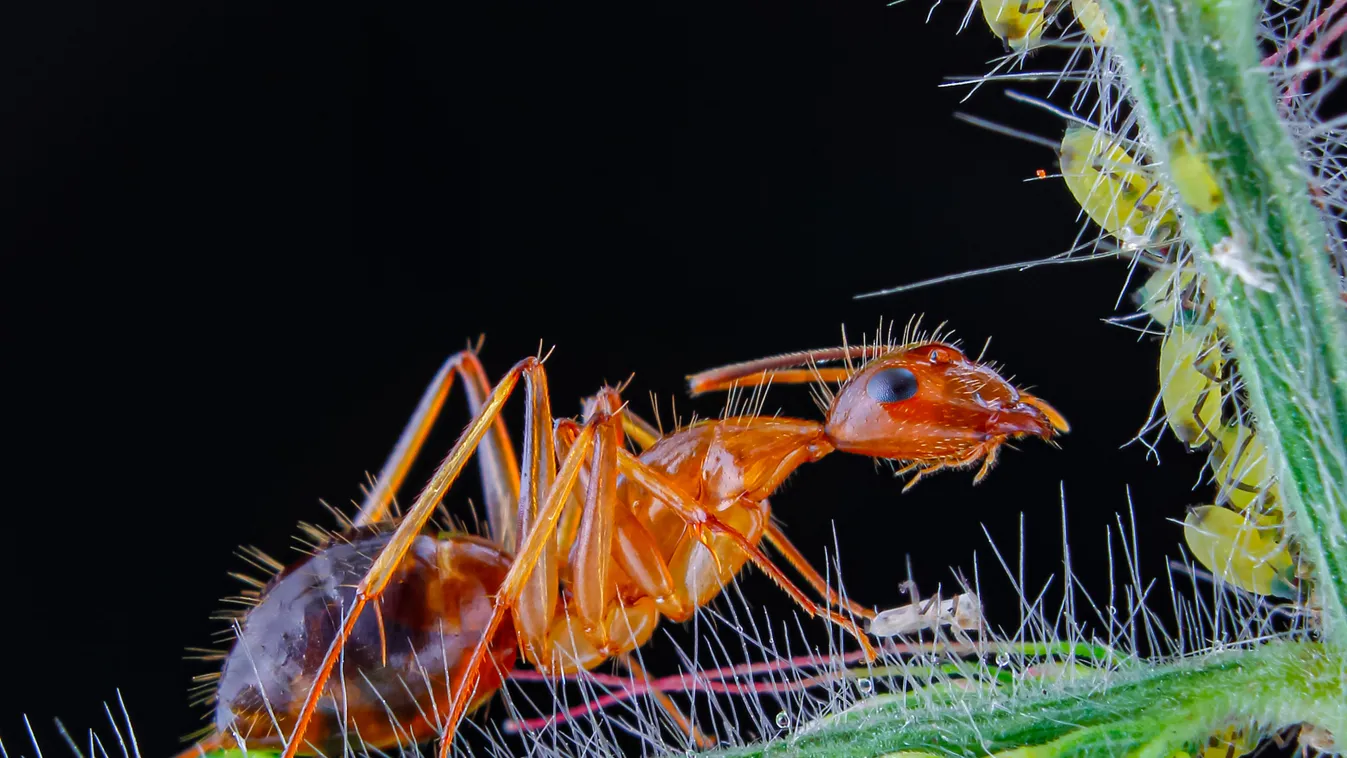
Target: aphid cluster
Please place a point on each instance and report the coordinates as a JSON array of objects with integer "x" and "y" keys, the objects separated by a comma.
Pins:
[
  {"x": 1240, "y": 535},
  {"x": 1136, "y": 197},
  {"x": 1230, "y": 741}
]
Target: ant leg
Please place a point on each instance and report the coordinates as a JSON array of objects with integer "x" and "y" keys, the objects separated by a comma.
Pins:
[
  {"x": 642, "y": 432},
  {"x": 777, "y": 539},
  {"x": 533, "y": 617},
  {"x": 700, "y": 520},
  {"x": 206, "y": 745},
  {"x": 1303, "y": 35},
  {"x": 639, "y": 558},
  {"x": 526, "y": 558},
  {"x": 699, "y": 739},
  {"x": 633, "y": 547},
  {"x": 385, "y": 565},
  {"x": 499, "y": 466},
  {"x": 496, "y": 457},
  {"x": 591, "y": 553},
  {"x": 1314, "y": 55}
]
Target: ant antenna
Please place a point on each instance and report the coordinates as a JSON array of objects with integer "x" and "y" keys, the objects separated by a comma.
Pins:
[
  {"x": 1020, "y": 97},
  {"x": 1021, "y": 266},
  {"x": 1009, "y": 131}
]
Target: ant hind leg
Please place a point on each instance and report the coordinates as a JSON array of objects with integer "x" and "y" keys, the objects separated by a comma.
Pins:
[
  {"x": 386, "y": 563},
  {"x": 496, "y": 455},
  {"x": 684, "y": 724}
]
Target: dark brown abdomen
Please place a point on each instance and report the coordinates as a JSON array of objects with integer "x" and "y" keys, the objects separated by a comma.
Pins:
[{"x": 433, "y": 612}]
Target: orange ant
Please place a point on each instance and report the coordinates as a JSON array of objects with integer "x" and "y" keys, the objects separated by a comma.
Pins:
[{"x": 606, "y": 541}]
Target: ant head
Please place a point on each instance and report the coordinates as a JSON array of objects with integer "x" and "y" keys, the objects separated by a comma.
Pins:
[{"x": 929, "y": 400}]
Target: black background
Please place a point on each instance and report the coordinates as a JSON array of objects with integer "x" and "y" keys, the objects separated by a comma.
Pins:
[{"x": 248, "y": 233}]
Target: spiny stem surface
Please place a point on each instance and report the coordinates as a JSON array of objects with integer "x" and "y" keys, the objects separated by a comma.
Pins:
[{"x": 1141, "y": 711}]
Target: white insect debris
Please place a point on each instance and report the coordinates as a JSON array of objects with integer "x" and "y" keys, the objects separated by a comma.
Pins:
[
  {"x": 1232, "y": 256},
  {"x": 1133, "y": 242},
  {"x": 963, "y": 612},
  {"x": 1319, "y": 739}
]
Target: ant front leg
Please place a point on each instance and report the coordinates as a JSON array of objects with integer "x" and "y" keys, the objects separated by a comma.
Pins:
[
  {"x": 777, "y": 539},
  {"x": 385, "y": 564},
  {"x": 496, "y": 456},
  {"x": 701, "y": 521}
]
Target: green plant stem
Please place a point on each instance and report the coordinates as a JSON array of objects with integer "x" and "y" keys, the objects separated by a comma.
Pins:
[
  {"x": 1138, "y": 711},
  {"x": 1194, "y": 68}
]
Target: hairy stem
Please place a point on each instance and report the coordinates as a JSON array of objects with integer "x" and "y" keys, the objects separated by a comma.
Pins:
[
  {"x": 1194, "y": 70},
  {"x": 1139, "y": 711}
]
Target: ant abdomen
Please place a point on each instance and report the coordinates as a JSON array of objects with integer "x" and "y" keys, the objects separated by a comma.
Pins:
[{"x": 400, "y": 661}]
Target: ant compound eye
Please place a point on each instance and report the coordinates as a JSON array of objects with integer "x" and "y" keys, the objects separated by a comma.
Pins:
[{"x": 892, "y": 385}]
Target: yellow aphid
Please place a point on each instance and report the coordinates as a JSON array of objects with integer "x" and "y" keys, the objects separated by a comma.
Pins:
[
  {"x": 1169, "y": 293},
  {"x": 1192, "y": 175},
  {"x": 1190, "y": 361},
  {"x": 1114, "y": 191},
  {"x": 1091, "y": 18},
  {"x": 1243, "y": 475},
  {"x": 1019, "y": 23},
  {"x": 1229, "y": 743},
  {"x": 1239, "y": 551}
]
